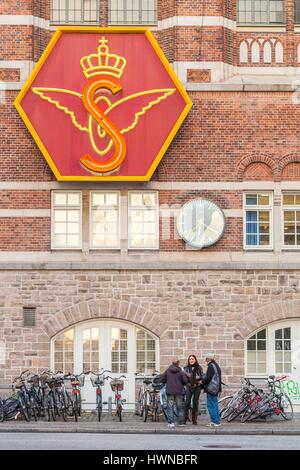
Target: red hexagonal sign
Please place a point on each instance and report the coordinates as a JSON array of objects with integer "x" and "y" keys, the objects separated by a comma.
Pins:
[{"x": 103, "y": 104}]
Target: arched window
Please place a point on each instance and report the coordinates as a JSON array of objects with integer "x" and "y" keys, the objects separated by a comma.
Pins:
[
  {"x": 255, "y": 52},
  {"x": 267, "y": 53},
  {"x": 244, "y": 52},
  {"x": 279, "y": 53},
  {"x": 119, "y": 347}
]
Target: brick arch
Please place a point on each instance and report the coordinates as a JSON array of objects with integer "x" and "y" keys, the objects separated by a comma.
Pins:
[
  {"x": 111, "y": 309},
  {"x": 289, "y": 167},
  {"x": 270, "y": 167},
  {"x": 269, "y": 313}
]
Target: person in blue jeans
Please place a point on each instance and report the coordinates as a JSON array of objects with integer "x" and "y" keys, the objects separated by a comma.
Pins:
[
  {"x": 213, "y": 374},
  {"x": 175, "y": 380}
]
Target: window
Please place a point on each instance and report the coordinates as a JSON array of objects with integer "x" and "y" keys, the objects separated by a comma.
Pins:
[
  {"x": 261, "y": 11},
  {"x": 75, "y": 11},
  {"x": 105, "y": 220},
  {"x": 132, "y": 11},
  {"x": 283, "y": 346},
  {"x": 66, "y": 220},
  {"x": 145, "y": 352},
  {"x": 90, "y": 349},
  {"x": 291, "y": 220},
  {"x": 143, "y": 220},
  {"x": 257, "y": 353},
  {"x": 119, "y": 351},
  {"x": 297, "y": 11},
  {"x": 64, "y": 352},
  {"x": 258, "y": 220}
]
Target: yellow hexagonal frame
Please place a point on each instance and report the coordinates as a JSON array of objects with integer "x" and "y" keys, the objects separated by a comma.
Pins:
[{"x": 169, "y": 70}]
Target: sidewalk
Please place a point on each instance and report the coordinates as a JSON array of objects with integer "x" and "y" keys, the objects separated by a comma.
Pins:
[{"x": 134, "y": 425}]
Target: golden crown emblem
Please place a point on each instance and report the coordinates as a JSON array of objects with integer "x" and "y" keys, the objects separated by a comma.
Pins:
[{"x": 103, "y": 62}]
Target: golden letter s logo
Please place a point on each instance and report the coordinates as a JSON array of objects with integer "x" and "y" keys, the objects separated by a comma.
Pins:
[{"x": 88, "y": 99}]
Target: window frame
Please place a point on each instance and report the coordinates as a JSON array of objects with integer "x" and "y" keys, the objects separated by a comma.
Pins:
[
  {"x": 73, "y": 23},
  {"x": 157, "y": 232},
  {"x": 253, "y": 23},
  {"x": 53, "y": 192},
  {"x": 267, "y": 340},
  {"x": 132, "y": 23},
  {"x": 106, "y": 248},
  {"x": 269, "y": 208},
  {"x": 283, "y": 209}
]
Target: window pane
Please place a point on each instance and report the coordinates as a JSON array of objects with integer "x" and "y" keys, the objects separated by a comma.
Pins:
[{"x": 251, "y": 199}]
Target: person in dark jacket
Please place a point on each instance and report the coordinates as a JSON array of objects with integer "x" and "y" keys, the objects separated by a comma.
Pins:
[
  {"x": 213, "y": 376},
  {"x": 194, "y": 373},
  {"x": 175, "y": 380}
]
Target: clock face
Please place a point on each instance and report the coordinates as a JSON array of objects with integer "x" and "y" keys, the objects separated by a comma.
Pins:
[{"x": 200, "y": 223}]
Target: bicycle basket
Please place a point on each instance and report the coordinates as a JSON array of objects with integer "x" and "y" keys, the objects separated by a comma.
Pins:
[
  {"x": 97, "y": 381},
  {"x": 117, "y": 385},
  {"x": 78, "y": 380}
]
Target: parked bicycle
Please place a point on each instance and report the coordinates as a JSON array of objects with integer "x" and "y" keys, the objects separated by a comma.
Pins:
[
  {"x": 250, "y": 402},
  {"x": 141, "y": 400},
  {"x": 77, "y": 382},
  {"x": 98, "y": 381},
  {"x": 155, "y": 400},
  {"x": 117, "y": 386}
]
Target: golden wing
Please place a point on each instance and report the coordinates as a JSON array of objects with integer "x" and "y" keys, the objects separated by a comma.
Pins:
[
  {"x": 63, "y": 99},
  {"x": 142, "y": 99}
]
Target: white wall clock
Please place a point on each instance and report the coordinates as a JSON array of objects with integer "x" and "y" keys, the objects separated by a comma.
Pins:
[{"x": 200, "y": 223}]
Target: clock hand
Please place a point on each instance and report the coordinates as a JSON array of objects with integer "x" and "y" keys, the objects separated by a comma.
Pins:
[{"x": 210, "y": 228}]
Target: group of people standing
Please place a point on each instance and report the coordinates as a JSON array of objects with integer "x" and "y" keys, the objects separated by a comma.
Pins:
[{"x": 192, "y": 380}]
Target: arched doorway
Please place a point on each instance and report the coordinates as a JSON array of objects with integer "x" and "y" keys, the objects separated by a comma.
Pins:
[
  {"x": 275, "y": 350},
  {"x": 119, "y": 346}
]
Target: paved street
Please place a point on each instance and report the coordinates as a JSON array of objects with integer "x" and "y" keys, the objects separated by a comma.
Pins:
[{"x": 77, "y": 441}]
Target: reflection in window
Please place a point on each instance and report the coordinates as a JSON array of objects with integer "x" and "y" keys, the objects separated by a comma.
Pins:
[
  {"x": 283, "y": 359},
  {"x": 145, "y": 352},
  {"x": 291, "y": 216},
  {"x": 105, "y": 220},
  {"x": 66, "y": 220},
  {"x": 143, "y": 220},
  {"x": 64, "y": 352},
  {"x": 257, "y": 353},
  {"x": 258, "y": 220}
]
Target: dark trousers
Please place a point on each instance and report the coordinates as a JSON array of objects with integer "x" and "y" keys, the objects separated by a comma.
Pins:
[{"x": 192, "y": 393}]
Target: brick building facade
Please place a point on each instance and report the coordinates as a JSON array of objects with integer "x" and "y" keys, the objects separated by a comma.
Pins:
[{"x": 239, "y": 144}]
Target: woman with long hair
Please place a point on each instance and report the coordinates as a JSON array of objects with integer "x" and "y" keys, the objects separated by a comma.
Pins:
[{"x": 194, "y": 373}]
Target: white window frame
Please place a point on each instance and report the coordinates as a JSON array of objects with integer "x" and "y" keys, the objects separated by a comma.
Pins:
[
  {"x": 124, "y": 11},
  {"x": 292, "y": 208},
  {"x": 157, "y": 232},
  {"x": 83, "y": 11},
  {"x": 269, "y": 208},
  {"x": 91, "y": 221},
  {"x": 52, "y": 219},
  {"x": 257, "y": 374}
]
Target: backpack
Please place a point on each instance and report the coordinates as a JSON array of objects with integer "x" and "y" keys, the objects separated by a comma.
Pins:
[{"x": 213, "y": 387}]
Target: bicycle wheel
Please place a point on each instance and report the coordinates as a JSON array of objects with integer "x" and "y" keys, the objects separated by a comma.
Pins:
[
  {"x": 24, "y": 410},
  {"x": 1, "y": 412},
  {"x": 286, "y": 407},
  {"x": 99, "y": 407},
  {"x": 63, "y": 407},
  {"x": 139, "y": 404},
  {"x": 119, "y": 412},
  {"x": 146, "y": 413},
  {"x": 223, "y": 404}
]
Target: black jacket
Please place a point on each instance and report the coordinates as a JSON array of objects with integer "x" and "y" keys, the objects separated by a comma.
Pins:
[
  {"x": 194, "y": 370},
  {"x": 175, "y": 380},
  {"x": 210, "y": 373}
]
